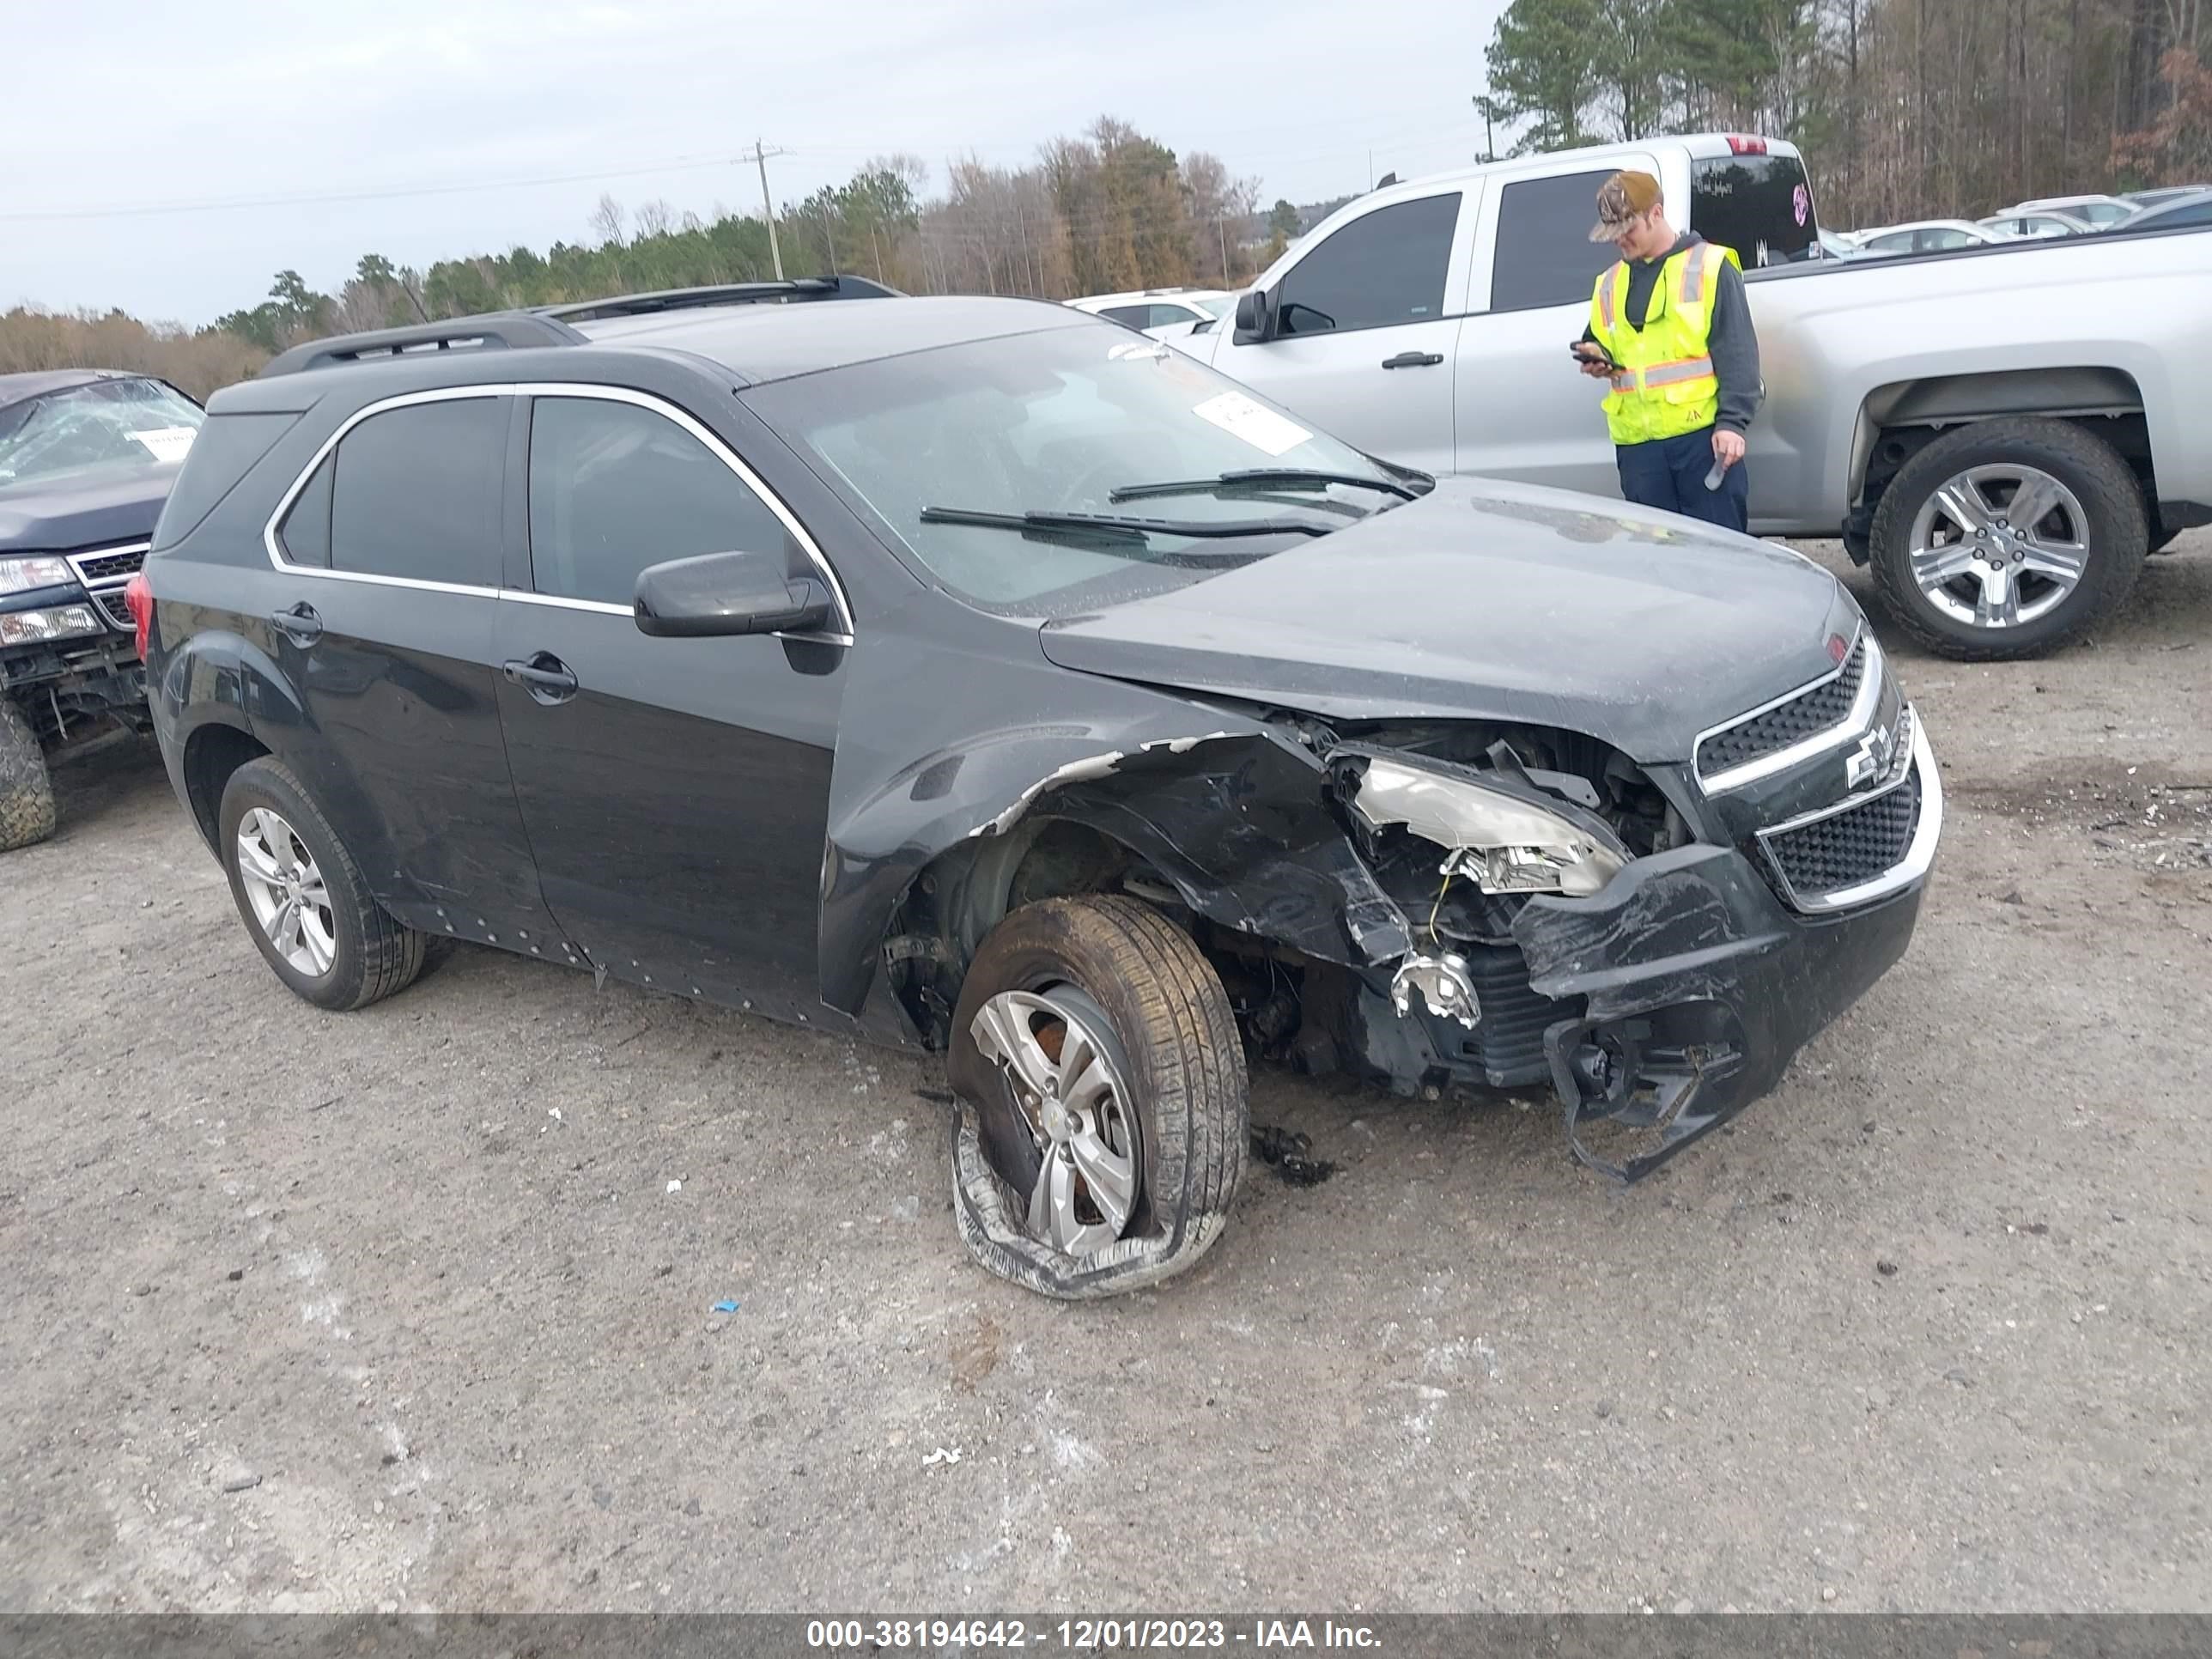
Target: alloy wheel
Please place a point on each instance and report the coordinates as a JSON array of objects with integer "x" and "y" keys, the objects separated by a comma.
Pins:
[
  {"x": 285, "y": 889},
  {"x": 1999, "y": 545},
  {"x": 1076, "y": 1105}
]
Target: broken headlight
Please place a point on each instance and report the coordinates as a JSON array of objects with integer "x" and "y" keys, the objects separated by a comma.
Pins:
[{"x": 1494, "y": 837}]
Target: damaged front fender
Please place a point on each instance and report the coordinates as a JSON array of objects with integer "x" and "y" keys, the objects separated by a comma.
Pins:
[{"x": 1229, "y": 809}]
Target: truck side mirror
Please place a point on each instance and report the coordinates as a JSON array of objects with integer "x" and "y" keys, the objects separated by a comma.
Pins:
[{"x": 1255, "y": 321}]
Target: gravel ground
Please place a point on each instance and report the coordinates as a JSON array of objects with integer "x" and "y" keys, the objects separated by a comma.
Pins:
[{"x": 405, "y": 1309}]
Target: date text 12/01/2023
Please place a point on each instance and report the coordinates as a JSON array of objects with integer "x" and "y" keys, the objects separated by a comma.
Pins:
[{"x": 1082, "y": 1635}]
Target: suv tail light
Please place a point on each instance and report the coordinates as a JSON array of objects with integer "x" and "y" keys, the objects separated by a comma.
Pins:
[
  {"x": 138, "y": 594},
  {"x": 1738, "y": 145}
]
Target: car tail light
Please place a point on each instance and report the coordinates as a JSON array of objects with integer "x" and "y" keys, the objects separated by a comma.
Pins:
[
  {"x": 1739, "y": 145},
  {"x": 139, "y": 596}
]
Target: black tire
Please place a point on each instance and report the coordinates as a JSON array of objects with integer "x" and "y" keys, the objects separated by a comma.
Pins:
[
  {"x": 2118, "y": 534},
  {"x": 27, "y": 793},
  {"x": 1169, "y": 1027},
  {"x": 375, "y": 955}
]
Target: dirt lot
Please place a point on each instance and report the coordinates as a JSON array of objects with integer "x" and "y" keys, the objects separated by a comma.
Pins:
[{"x": 404, "y": 1308}]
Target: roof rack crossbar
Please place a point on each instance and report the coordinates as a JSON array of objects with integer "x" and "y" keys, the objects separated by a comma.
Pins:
[
  {"x": 843, "y": 286},
  {"x": 495, "y": 330}
]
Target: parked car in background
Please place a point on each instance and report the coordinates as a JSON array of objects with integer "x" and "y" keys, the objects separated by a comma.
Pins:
[
  {"x": 2191, "y": 208},
  {"x": 2100, "y": 212},
  {"x": 2165, "y": 193},
  {"x": 1924, "y": 236},
  {"x": 86, "y": 458},
  {"x": 2004, "y": 462},
  {"x": 1839, "y": 244},
  {"x": 1165, "y": 313},
  {"x": 954, "y": 673},
  {"x": 2039, "y": 226}
]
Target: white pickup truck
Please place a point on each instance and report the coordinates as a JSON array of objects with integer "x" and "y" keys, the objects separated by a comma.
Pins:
[{"x": 2005, "y": 431}]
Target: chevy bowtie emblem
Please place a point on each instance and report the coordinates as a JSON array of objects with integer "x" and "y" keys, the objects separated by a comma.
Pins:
[{"x": 1870, "y": 760}]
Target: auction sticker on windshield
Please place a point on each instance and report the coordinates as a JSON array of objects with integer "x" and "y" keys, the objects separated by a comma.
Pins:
[
  {"x": 167, "y": 443},
  {"x": 1265, "y": 430}
]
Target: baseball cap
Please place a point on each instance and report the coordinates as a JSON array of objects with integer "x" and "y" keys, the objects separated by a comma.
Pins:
[{"x": 1623, "y": 197}]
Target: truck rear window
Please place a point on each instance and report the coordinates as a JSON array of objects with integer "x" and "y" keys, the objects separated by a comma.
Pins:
[{"x": 1760, "y": 205}]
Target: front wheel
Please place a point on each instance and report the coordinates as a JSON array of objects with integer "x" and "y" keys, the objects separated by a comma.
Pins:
[
  {"x": 2007, "y": 537},
  {"x": 27, "y": 793},
  {"x": 1103, "y": 1123}
]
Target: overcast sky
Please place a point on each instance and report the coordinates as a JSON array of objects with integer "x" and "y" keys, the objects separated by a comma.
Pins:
[{"x": 119, "y": 107}]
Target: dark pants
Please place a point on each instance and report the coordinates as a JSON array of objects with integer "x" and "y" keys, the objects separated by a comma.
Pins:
[{"x": 1669, "y": 473}]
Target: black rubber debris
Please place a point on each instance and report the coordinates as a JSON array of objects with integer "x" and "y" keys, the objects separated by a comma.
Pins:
[{"x": 1285, "y": 1152}]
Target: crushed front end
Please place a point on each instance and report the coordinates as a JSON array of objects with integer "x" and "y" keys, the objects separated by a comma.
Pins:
[{"x": 1655, "y": 942}]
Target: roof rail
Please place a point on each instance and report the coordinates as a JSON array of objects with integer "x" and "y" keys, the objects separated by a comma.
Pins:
[
  {"x": 494, "y": 330},
  {"x": 845, "y": 287}
]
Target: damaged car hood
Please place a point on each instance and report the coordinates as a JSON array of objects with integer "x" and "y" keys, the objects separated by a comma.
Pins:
[{"x": 1493, "y": 601}]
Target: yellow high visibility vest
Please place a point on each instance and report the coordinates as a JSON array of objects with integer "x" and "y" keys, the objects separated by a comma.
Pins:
[{"x": 1665, "y": 385}]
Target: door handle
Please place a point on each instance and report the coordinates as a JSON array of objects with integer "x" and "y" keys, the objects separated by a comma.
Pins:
[
  {"x": 544, "y": 676},
  {"x": 1414, "y": 360},
  {"x": 300, "y": 624}
]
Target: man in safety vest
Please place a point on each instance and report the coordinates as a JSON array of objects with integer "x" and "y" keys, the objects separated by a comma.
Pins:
[{"x": 1670, "y": 329}]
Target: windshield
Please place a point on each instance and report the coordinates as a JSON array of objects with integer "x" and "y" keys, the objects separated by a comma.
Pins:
[
  {"x": 1218, "y": 307},
  {"x": 106, "y": 427},
  {"x": 1054, "y": 422}
]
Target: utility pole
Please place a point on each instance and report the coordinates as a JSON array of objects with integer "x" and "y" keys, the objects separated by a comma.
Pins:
[
  {"x": 1222, "y": 225},
  {"x": 760, "y": 153}
]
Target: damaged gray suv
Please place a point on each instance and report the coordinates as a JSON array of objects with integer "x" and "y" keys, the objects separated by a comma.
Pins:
[{"x": 969, "y": 675}]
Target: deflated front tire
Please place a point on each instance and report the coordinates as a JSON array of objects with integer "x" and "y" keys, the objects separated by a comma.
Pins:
[{"x": 1101, "y": 1124}]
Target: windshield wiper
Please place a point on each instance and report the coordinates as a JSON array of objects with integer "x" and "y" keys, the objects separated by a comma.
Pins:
[
  {"x": 1108, "y": 527},
  {"x": 1264, "y": 478}
]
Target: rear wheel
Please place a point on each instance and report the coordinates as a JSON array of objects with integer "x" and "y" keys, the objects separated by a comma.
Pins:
[
  {"x": 27, "y": 793},
  {"x": 2007, "y": 537},
  {"x": 1101, "y": 1078},
  {"x": 303, "y": 897}
]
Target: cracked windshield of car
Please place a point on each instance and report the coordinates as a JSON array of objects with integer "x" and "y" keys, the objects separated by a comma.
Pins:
[
  {"x": 106, "y": 427},
  {"x": 960, "y": 452}
]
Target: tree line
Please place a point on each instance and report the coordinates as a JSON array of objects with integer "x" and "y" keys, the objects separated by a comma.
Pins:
[
  {"x": 1906, "y": 108},
  {"x": 1109, "y": 208}
]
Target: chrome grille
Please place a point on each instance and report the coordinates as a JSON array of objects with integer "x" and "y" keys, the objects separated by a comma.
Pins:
[
  {"x": 1792, "y": 729},
  {"x": 112, "y": 566},
  {"x": 104, "y": 571},
  {"x": 1848, "y": 848}
]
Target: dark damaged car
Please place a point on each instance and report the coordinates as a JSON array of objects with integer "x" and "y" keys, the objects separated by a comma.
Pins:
[
  {"x": 86, "y": 458},
  {"x": 967, "y": 675}
]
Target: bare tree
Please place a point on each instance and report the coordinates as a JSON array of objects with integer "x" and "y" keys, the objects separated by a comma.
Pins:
[
  {"x": 653, "y": 218},
  {"x": 606, "y": 222}
]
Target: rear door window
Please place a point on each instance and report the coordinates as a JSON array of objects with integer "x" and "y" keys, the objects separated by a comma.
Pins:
[
  {"x": 1384, "y": 267},
  {"x": 1129, "y": 316},
  {"x": 415, "y": 493},
  {"x": 615, "y": 488},
  {"x": 1545, "y": 256},
  {"x": 1760, "y": 205}
]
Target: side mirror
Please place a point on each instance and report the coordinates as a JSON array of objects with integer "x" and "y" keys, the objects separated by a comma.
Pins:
[
  {"x": 1255, "y": 321},
  {"x": 721, "y": 594}
]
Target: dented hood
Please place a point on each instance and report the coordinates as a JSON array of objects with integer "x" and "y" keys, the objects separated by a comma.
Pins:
[{"x": 1493, "y": 601}]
